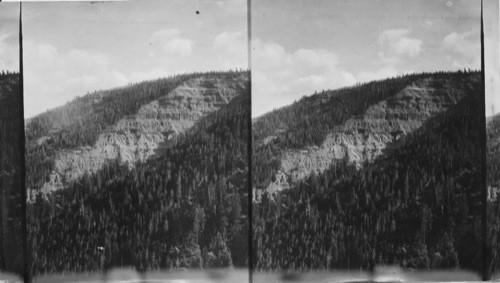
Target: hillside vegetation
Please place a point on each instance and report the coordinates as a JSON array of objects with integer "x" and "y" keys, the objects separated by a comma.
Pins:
[
  {"x": 58, "y": 136},
  {"x": 418, "y": 206},
  {"x": 307, "y": 123},
  {"x": 186, "y": 208},
  {"x": 493, "y": 183},
  {"x": 11, "y": 199}
]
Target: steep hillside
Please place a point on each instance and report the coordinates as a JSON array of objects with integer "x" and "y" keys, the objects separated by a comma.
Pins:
[
  {"x": 144, "y": 120},
  {"x": 11, "y": 239},
  {"x": 377, "y": 125},
  {"x": 184, "y": 207},
  {"x": 409, "y": 197},
  {"x": 493, "y": 150},
  {"x": 493, "y": 182}
]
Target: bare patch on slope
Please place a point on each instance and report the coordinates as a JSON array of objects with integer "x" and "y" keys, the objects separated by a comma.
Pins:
[
  {"x": 365, "y": 137},
  {"x": 141, "y": 136}
]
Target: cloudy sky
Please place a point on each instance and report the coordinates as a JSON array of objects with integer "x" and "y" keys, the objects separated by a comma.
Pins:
[
  {"x": 298, "y": 47},
  {"x": 72, "y": 48},
  {"x": 9, "y": 36},
  {"x": 302, "y": 46}
]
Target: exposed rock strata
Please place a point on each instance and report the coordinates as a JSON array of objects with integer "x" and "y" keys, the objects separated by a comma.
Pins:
[
  {"x": 366, "y": 137},
  {"x": 141, "y": 136}
]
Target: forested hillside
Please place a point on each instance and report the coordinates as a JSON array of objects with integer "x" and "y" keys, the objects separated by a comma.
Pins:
[
  {"x": 493, "y": 183},
  {"x": 307, "y": 122},
  {"x": 80, "y": 121},
  {"x": 80, "y": 124},
  {"x": 11, "y": 212},
  {"x": 417, "y": 207},
  {"x": 186, "y": 208}
]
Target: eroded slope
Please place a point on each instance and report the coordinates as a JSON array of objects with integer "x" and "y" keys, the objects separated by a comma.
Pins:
[
  {"x": 378, "y": 131},
  {"x": 418, "y": 208},
  {"x": 144, "y": 134}
]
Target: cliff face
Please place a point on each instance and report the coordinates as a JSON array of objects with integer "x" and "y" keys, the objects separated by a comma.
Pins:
[
  {"x": 143, "y": 135},
  {"x": 376, "y": 132}
]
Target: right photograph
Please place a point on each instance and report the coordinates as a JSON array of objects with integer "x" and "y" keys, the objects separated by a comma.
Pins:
[
  {"x": 492, "y": 95},
  {"x": 368, "y": 141}
]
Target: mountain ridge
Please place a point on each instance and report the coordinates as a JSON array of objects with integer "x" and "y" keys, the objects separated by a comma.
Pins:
[
  {"x": 379, "y": 129},
  {"x": 418, "y": 207},
  {"x": 185, "y": 208},
  {"x": 137, "y": 136}
]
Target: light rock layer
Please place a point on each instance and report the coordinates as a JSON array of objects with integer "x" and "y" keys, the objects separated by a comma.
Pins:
[
  {"x": 143, "y": 135},
  {"x": 376, "y": 132}
]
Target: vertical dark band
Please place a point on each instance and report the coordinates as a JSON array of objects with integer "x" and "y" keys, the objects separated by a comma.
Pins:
[
  {"x": 26, "y": 272},
  {"x": 484, "y": 226},
  {"x": 249, "y": 144}
]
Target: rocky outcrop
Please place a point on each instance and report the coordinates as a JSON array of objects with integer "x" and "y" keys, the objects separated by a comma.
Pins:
[
  {"x": 53, "y": 184},
  {"x": 143, "y": 135},
  {"x": 493, "y": 193},
  {"x": 377, "y": 132}
]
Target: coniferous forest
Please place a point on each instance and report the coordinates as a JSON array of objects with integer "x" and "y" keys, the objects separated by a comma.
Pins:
[
  {"x": 493, "y": 183},
  {"x": 419, "y": 207},
  {"x": 184, "y": 209},
  {"x": 253, "y": 141},
  {"x": 11, "y": 198},
  {"x": 79, "y": 122}
]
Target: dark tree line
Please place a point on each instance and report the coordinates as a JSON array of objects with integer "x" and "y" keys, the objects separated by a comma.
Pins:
[
  {"x": 185, "y": 209},
  {"x": 11, "y": 199},
  {"x": 6, "y": 73},
  {"x": 418, "y": 208}
]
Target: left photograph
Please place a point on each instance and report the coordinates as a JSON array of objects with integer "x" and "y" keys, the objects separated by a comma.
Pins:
[
  {"x": 137, "y": 123},
  {"x": 11, "y": 125}
]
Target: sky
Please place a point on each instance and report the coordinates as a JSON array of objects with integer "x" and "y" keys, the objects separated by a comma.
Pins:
[
  {"x": 298, "y": 47},
  {"x": 303, "y": 46},
  {"x": 77, "y": 47},
  {"x": 9, "y": 36}
]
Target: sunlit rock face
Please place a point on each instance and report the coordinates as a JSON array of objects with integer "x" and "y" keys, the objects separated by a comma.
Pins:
[
  {"x": 145, "y": 134},
  {"x": 377, "y": 132}
]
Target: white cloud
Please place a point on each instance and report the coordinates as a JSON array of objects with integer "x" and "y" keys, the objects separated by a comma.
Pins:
[
  {"x": 179, "y": 46},
  {"x": 463, "y": 49},
  {"x": 154, "y": 73},
  {"x": 314, "y": 60},
  {"x": 53, "y": 77},
  {"x": 397, "y": 42},
  {"x": 382, "y": 73},
  {"x": 231, "y": 49},
  {"x": 9, "y": 53},
  {"x": 86, "y": 59},
  {"x": 280, "y": 77},
  {"x": 168, "y": 43}
]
